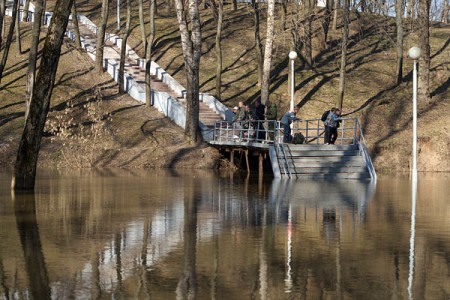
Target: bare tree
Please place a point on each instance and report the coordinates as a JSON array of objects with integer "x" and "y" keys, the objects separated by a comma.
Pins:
[
  {"x": 326, "y": 24},
  {"x": 18, "y": 37},
  {"x": 268, "y": 52},
  {"x": 32, "y": 59},
  {"x": 9, "y": 38},
  {"x": 142, "y": 25},
  {"x": 191, "y": 42},
  {"x": 399, "y": 8},
  {"x": 29, "y": 146},
  {"x": 335, "y": 13},
  {"x": 410, "y": 11},
  {"x": 101, "y": 36},
  {"x": 258, "y": 44},
  {"x": 149, "y": 42},
  {"x": 2, "y": 18},
  {"x": 26, "y": 8},
  {"x": 423, "y": 20},
  {"x": 445, "y": 10},
  {"x": 307, "y": 17},
  {"x": 219, "y": 48},
  {"x": 345, "y": 20},
  {"x": 76, "y": 28},
  {"x": 284, "y": 11},
  {"x": 123, "y": 49}
]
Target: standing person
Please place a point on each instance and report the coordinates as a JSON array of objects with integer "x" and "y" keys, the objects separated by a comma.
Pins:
[
  {"x": 326, "y": 138},
  {"x": 271, "y": 116},
  {"x": 259, "y": 116},
  {"x": 331, "y": 126},
  {"x": 286, "y": 121},
  {"x": 240, "y": 114},
  {"x": 239, "y": 118},
  {"x": 334, "y": 132}
]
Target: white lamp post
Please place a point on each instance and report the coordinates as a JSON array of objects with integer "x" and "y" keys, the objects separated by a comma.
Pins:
[
  {"x": 414, "y": 53},
  {"x": 292, "y": 57}
]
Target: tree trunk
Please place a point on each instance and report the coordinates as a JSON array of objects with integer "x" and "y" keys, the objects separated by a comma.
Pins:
[
  {"x": 234, "y": 4},
  {"x": 399, "y": 8},
  {"x": 268, "y": 52},
  {"x": 345, "y": 19},
  {"x": 123, "y": 50},
  {"x": 258, "y": 44},
  {"x": 307, "y": 12},
  {"x": 25, "y": 11},
  {"x": 8, "y": 38},
  {"x": 423, "y": 20},
  {"x": 27, "y": 154},
  {"x": 169, "y": 6},
  {"x": 2, "y": 19},
  {"x": 142, "y": 25},
  {"x": 326, "y": 24},
  {"x": 44, "y": 6},
  {"x": 410, "y": 10},
  {"x": 101, "y": 37},
  {"x": 191, "y": 45},
  {"x": 32, "y": 59},
  {"x": 219, "y": 50},
  {"x": 76, "y": 28},
  {"x": 445, "y": 9},
  {"x": 335, "y": 14},
  {"x": 148, "y": 58},
  {"x": 284, "y": 13},
  {"x": 18, "y": 39}
]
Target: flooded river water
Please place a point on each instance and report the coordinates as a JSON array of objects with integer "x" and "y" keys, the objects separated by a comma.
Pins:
[{"x": 199, "y": 235}]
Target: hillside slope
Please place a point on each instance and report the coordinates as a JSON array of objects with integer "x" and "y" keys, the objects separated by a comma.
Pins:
[{"x": 384, "y": 109}]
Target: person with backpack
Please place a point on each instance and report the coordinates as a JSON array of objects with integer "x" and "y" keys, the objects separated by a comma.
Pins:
[
  {"x": 334, "y": 131},
  {"x": 324, "y": 120},
  {"x": 331, "y": 123}
]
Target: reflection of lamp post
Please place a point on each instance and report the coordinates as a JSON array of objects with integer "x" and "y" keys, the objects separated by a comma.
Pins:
[
  {"x": 292, "y": 57},
  {"x": 414, "y": 53}
]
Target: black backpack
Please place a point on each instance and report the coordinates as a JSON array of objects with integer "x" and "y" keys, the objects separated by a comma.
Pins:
[{"x": 325, "y": 115}]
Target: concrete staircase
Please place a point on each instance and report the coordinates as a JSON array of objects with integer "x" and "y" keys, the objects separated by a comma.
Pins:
[{"x": 318, "y": 161}]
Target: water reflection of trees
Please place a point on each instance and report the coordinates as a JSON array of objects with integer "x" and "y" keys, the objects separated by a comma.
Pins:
[
  {"x": 27, "y": 227},
  {"x": 204, "y": 236}
]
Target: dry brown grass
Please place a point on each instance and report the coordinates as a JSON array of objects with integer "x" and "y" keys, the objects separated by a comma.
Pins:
[{"x": 384, "y": 109}]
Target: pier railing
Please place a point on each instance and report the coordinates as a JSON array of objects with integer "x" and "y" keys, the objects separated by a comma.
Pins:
[
  {"x": 272, "y": 131},
  {"x": 258, "y": 133}
]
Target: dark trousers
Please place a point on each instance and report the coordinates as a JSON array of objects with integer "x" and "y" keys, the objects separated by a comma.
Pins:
[
  {"x": 326, "y": 138},
  {"x": 330, "y": 135},
  {"x": 334, "y": 135},
  {"x": 287, "y": 133}
]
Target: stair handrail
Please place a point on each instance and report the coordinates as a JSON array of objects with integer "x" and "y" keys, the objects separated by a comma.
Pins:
[
  {"x": 281, "y": 150},
  {"x": 361, "y": 142}
]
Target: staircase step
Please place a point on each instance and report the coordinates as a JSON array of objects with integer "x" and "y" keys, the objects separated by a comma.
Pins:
[
  {"x": 321, "y": 153},
  {"x": 329, "y": 176}
]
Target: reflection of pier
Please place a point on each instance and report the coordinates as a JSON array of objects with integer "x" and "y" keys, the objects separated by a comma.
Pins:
[{"x": 153, "y": 243}]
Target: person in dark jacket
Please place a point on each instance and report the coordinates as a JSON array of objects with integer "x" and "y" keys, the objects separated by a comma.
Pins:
[
  {"x": 259, "y": 117},
  {"x": 286, "y": 122},
  {"x": 271, "y": 117},
  {"x": 331, "y": 126},
  {"x": 326, "y": 138}
]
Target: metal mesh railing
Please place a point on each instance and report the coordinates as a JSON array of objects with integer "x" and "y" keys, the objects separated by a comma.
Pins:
[{"x": 272, "y": 131}]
